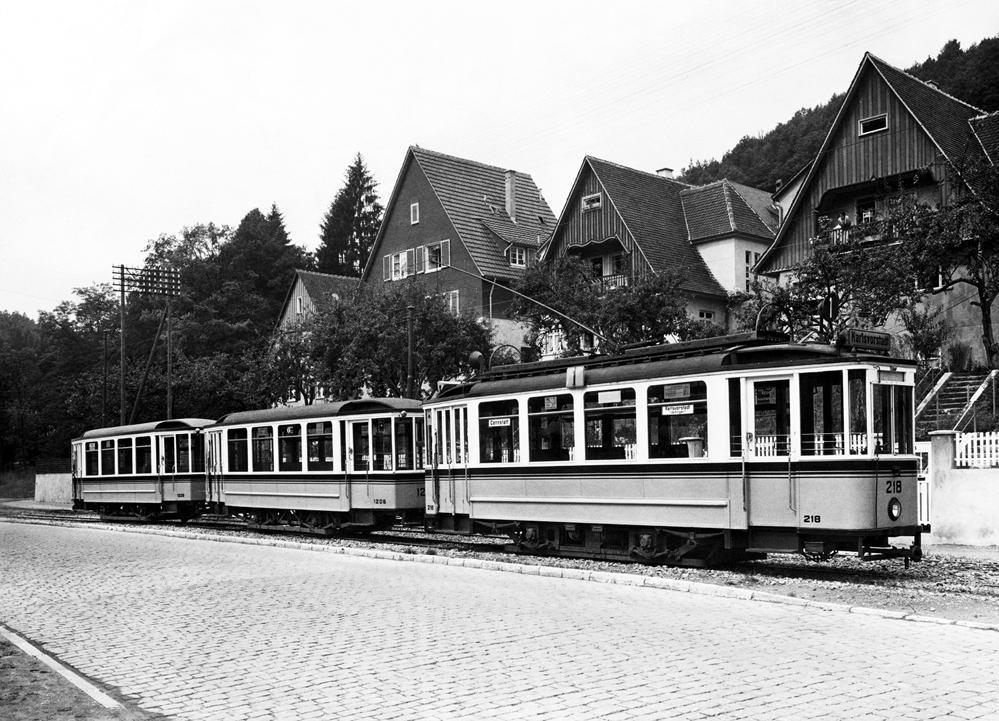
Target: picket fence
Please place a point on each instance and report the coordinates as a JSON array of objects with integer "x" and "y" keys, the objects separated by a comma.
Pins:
[{"x": 976, "y": 450}]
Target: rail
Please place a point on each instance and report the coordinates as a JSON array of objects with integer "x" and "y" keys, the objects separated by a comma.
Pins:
[
  {"x": 970, "y": 412},
  {"x": 929, "y": 386}
]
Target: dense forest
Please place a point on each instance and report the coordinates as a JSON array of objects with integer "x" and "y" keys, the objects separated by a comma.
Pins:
[{"x": 970, "y": 75}]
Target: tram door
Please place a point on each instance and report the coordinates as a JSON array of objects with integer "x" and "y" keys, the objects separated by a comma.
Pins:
[
  {"x": 768, "y": 447},
  {"x": 450, "y": 459}
]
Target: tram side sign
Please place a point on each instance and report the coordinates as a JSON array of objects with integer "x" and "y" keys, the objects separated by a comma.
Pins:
[{"x": 865, "y": 340}]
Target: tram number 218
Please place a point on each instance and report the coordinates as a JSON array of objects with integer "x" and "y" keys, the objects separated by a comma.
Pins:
[
  {"x": 893, "y": 486},
  {"x": 813, "y": 518}
]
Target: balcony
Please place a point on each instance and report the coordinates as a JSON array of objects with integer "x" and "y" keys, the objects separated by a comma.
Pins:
[
  {"x": 864, "y": 233},
  {"x": 609, "y": 282}
]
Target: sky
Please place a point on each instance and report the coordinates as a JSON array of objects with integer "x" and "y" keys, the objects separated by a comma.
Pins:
[{"x": 123, "y": 121}]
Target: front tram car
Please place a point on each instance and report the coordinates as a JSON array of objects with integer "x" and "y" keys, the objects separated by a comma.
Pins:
[
  {"x": 691, "y": 453},
  {"x": 353, "y": 465},
  {"x": 143, "y": 471}
]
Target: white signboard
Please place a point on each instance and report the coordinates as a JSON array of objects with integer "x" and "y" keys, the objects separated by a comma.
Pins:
[
  {"x": 684, "y": 410},
  {"x": 499, "y": 422}
]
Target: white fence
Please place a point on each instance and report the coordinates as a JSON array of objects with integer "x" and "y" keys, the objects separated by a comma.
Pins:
[{"x": 976, "y": 450}]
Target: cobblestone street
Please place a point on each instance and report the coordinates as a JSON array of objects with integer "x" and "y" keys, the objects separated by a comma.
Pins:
[{"x": 209, "y": 630}]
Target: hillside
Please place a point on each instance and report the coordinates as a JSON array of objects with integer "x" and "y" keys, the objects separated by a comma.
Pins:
[{"x": 971, "y": 75}]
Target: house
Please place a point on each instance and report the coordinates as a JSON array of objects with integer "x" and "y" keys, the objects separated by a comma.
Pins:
[
  {"x": 311, "y": 292},
  {"x": 894, "y": 138},
  {"x": 630, "y": 222},
  {"x": 466, "y": 228}
]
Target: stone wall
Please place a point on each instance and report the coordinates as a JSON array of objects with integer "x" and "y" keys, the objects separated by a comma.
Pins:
[{"x": 964, "y": 502}]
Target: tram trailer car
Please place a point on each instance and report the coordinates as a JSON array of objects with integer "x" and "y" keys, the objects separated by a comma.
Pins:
[
  {"x": 347, "y": 466},
  {"x": 142, "y": 471},
  {"x": 688, "y": 454}
]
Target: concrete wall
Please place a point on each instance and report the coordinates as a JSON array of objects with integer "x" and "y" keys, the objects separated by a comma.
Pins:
[
  {"x": 964, "y": 501},
  {"x": 53, "y": 488}
]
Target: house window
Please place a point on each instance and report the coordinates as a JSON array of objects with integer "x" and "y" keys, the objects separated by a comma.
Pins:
[
  {"x": 751, "y": 260},
  {"x": 452, "y": 301},
  {"x": 708, "y": 315},
  {"x": 298, "y": 306},
  {"x": 399, "y": 265},
  {"x": 873, "y": 124},
  {"x": 866, "y": 210},
  {"x": 518, "y": 256},
  {"x": 435, "y": 256},
  {"x": 589, "y": 202},
  {"x": 414, "y": 213}
]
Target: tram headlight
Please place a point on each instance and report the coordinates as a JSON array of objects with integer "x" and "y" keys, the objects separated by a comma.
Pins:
[{"x": 894, "y": 509}]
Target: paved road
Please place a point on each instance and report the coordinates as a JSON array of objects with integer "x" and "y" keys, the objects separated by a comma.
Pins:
[{"x": 207, "y": 630}]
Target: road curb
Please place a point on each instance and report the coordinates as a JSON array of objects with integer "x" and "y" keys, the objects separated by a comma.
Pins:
[{"x": 621, "y": 579}]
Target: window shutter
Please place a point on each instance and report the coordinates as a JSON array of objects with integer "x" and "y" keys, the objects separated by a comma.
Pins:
[
  {"x": 410, "y": 262},
  {"x": 421, "y": 259},
  {"x": 445, "y": 253},
  {"x": 387, "y": 267}
]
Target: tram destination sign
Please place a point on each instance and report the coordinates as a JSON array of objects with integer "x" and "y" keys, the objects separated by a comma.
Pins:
[{"x": 865, "y": 340}]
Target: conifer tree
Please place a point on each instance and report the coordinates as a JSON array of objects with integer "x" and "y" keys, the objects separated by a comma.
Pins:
[{"x": 350, "y": 225}]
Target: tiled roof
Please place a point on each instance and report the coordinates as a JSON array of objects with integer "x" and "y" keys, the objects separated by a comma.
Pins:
[
  {"x": 473, "y": 195},
  {"x": 944, "y": 117},
  {"x": 321, "y": 287},
  {"x": 651, "y": 208},
  {"x": 724, "y": 207},
  {"x": 986, "y": 128}
]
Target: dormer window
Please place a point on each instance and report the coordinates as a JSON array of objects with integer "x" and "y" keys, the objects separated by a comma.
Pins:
[
  {"x": 873, "y": 124},
  {"x": 518, "y": 256},
  {"x": 590, "y": 202},
  {"x": 414, "y": 213}
]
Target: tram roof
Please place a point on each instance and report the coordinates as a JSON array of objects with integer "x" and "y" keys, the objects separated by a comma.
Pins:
[
  {"x": 174, "y": 424},
  {"x": 743, "y": 350},
  {"x": 320, "y": 410}
]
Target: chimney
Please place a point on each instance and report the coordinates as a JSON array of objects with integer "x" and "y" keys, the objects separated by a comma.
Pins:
[
  {"x": 665, "y": 172},
  {"x": 511, "y": 194}
]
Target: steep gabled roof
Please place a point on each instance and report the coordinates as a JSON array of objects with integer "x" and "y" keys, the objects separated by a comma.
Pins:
[
  {"x": 650, "y": 206},
  {"x": 474, "y": 197},
  {"x": 321, "y": 287},
  {"x": 724, "y": 208},
  {"x": 986, "y": 129},
  {"x": 946, "y": 120}
]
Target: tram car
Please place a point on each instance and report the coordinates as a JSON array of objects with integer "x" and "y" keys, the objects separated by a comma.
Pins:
[
  {"x": 142, "y": 472},
  {"x": 693, "y": 453},
  {"x": 346, "y": 466}
]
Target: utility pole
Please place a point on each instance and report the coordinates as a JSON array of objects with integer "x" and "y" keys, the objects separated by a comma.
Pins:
[
  {"x": 147, "y": 281},
  {"x": 409, "y": 358}
]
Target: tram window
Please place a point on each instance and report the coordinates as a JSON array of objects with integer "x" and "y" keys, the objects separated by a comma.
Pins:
[
  {"x": 169, "y": 455},
  {"x": 678, "y": 411},
  {"x": 610, "y": 423},
  {"x": 320, "y": 446},
  {"x": 420, "y": 438},
  {"x": 892, "y": 419},
  {"x": 237, "y": 450},
  {"x": 107, "y": 458},
  {"x": 290, "y": 447},
  {"x": 183, "y": 453},
  {"x": 499, "y": 432},
  {"x": 734, "y": 417},
  {"x": 382, "y": 441},
  {"x": 821, "y": 396},
  {"x": 197, "y": 453},
  {"x": 143, "y": 454},
  {"x": 771, "y": 416},
  {"x": 857, "y": 382},
  {"x": 404, "y": 444},
  {"x": 262, "y": 448},
  {"x": 549, "y": 428},
  {"x": 124, "y": 455},
  {"x": 361, "y": 445},
  {"x": 91, "y": 454}
]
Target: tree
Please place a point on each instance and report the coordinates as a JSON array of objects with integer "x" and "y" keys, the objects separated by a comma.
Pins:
[
  {"x": 295, "y": 361},
  {"x": 926, "y": 332},
  {"x": 650, "y": 308},
  {"x": 349, "y": 227},
  {"x": 959, "y": 241},
  {"x": 365, "y": 342},
  {"x": 851, "y": 282}
]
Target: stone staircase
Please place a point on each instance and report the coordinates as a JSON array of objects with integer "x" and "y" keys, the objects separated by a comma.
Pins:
[{"x": 944, "y": 409}]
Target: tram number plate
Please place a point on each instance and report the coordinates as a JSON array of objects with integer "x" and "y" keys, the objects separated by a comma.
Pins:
[
  {"x": 813, "y": 518},
  {"x": 381, "y": 502},
  {"x": 893, "y": 486}
]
